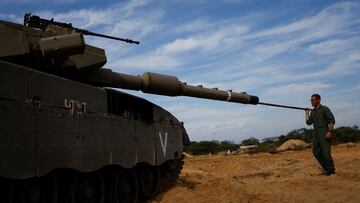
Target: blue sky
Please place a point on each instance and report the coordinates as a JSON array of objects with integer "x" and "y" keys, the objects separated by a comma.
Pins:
[{"x": 281, "y": 51}]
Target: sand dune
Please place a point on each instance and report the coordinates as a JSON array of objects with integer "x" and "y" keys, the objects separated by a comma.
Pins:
[{"x": 285, "y": 177}]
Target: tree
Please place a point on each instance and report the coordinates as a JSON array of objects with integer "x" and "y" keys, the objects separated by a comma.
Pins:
[
  {"x": 228, "y": 145},
  {"x": 347, "y": 134},
  {"x": 250, "y": 141},
  {"x": 204, "y": 147}
]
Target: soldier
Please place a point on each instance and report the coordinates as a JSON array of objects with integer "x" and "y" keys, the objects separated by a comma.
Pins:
[{"x": 323, "y": 121}]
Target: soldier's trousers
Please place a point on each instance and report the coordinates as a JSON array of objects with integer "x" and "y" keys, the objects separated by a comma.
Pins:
[{"x": 322, "y": 152}]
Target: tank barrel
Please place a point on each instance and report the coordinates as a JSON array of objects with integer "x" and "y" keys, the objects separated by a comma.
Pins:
[
  {"x": 107, "y": 78},
  {"x": 155, "y": 83},
  {"x": 215, "y": 94},
  {"x": 160, "y": 84}
]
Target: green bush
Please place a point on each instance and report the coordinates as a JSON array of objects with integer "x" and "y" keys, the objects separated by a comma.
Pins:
[
  {"x": 266, "y": 146},
  {"x": 346, "y": 134}
]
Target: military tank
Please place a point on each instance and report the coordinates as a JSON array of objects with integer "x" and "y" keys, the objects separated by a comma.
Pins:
[{"x": 69, "y": 135}]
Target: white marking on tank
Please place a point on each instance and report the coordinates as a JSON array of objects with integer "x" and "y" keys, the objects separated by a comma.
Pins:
[
  {"x": 229, "y": 96},
  {"x": 163, "y": 142},
  {"x": 75, "y": 106}
]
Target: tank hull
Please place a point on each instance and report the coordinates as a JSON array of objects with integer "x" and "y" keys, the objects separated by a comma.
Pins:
[{"x": 50, "y": 124}]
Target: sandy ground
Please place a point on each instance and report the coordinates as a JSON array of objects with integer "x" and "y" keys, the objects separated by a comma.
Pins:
[{"x": 285, "y": 177}]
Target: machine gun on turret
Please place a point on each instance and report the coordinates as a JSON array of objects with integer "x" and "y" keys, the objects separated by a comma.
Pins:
[{"x": 42, "y": 24}]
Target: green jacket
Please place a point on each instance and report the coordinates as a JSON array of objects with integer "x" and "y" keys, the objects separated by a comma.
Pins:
[{"x": 320, "y": 118}]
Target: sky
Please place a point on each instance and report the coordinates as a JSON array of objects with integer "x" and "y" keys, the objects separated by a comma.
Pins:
[{"x": 282, "y": 51}]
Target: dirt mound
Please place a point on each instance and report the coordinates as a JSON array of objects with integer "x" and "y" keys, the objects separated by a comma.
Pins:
[
  {"x": 293, "y": 144},
  {"x": 348, "y": 145},
  {"x": 263, "y": 177},
  {"x": 187, "y": 155}
]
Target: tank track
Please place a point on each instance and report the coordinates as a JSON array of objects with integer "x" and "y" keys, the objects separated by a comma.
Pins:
[
  {"x": 111, "y": 184},
  {"x": 170, "y": 172}
]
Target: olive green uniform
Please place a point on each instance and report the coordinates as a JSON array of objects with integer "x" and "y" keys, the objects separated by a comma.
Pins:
[{"x": 320, "y": 118}]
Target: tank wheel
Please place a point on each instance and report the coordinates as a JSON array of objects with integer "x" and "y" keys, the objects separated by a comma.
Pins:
[
  {"x": 34, "y": 190},
  {"x": 126, "y": 186},
  {"x": 87, "y": 188},
  {"x": 149, "y": 181}
]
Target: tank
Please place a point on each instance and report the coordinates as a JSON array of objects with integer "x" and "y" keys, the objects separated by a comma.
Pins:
[{"x": 68, "y": 134}]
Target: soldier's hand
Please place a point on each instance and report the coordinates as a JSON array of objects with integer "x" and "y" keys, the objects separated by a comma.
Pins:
[
  {"x": 329, "y": 135},
  {"x": 307, "y": 111}
]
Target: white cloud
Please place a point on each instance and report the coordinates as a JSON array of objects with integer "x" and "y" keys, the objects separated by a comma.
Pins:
[
  {"x": 24, "y": 2},
  {"x": 223, "y": 122},
  {"x": 150, "y": 62},
  {"x": 323, "y": 22},
  {"x": 181, "y": 45},
  {"x": 329, "y": 46},
  {"x": 348, "y": 64},
  {"x": 11, "y": 17},
  {"x": 93, "y": 17},
  {"x": 207, "y": 41},
  {"x": 298, "y": 88},
  {"x": 197, "y": 25},
  {"x": 169, "y": 55}
]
